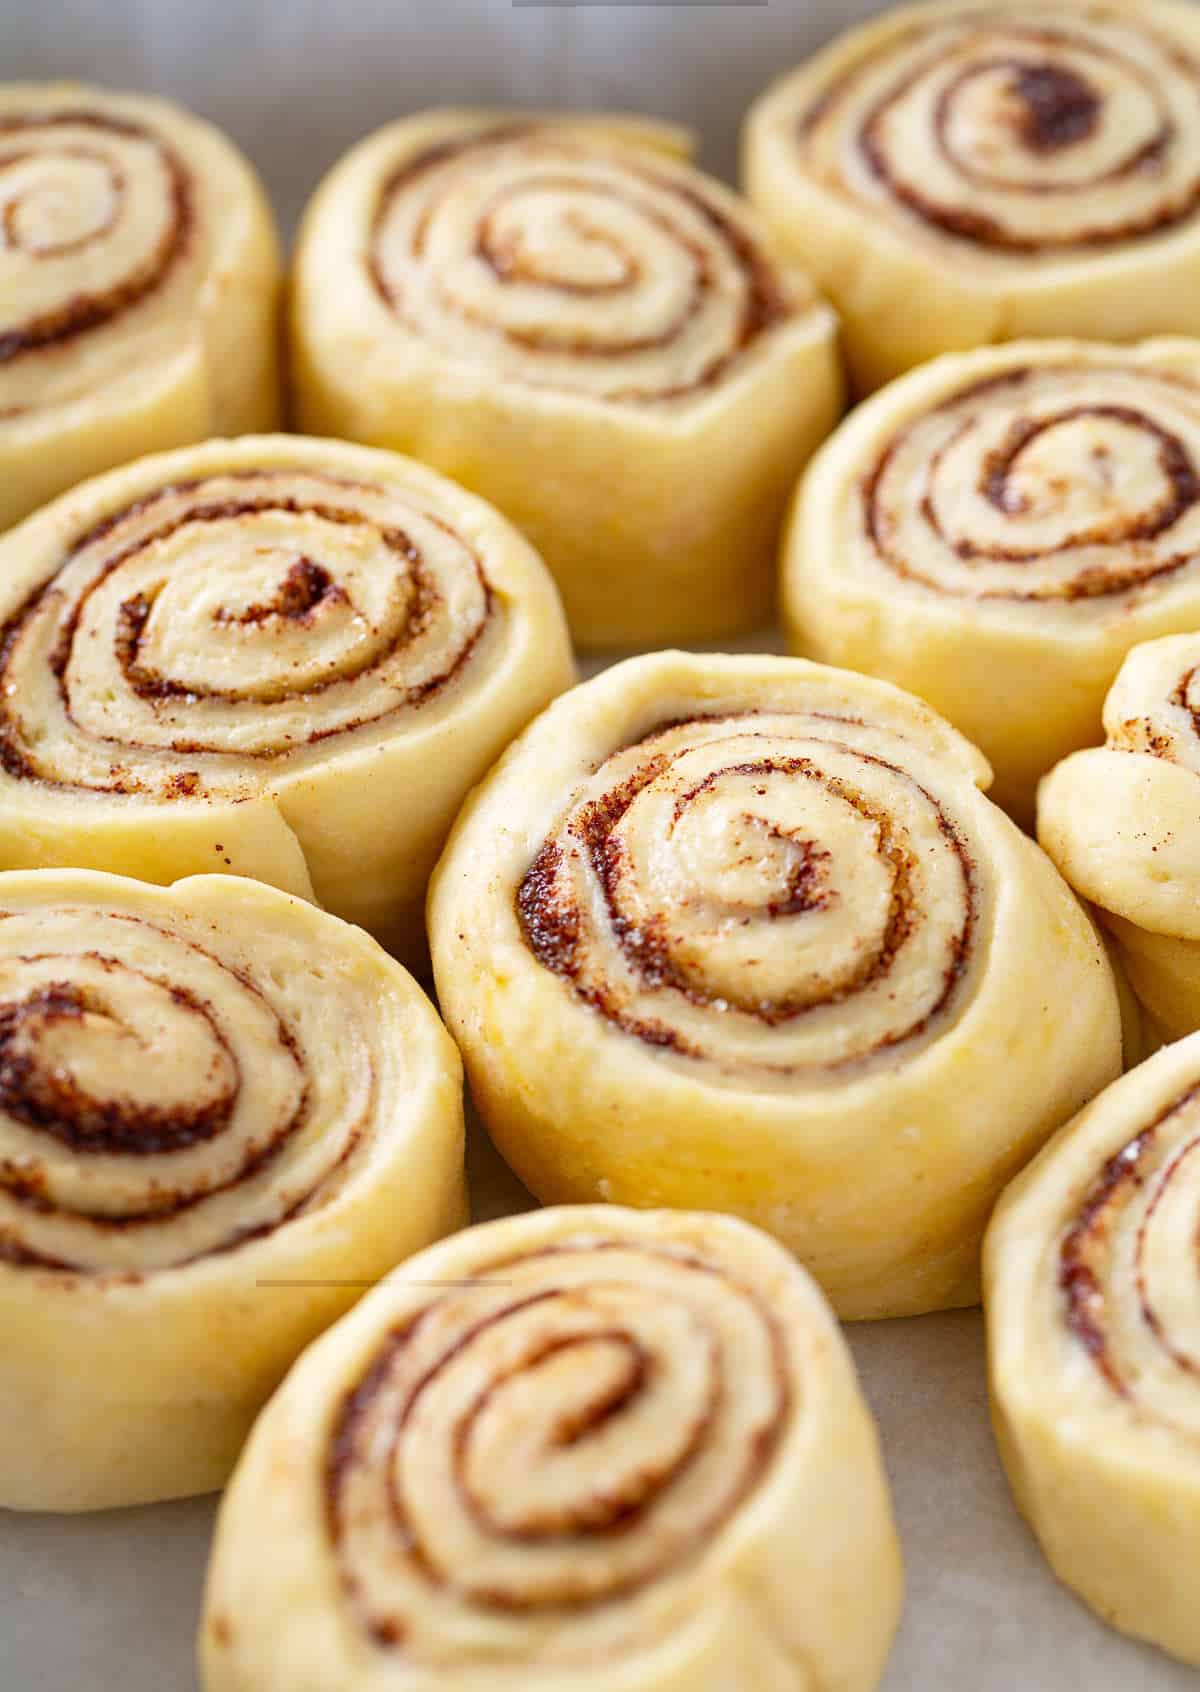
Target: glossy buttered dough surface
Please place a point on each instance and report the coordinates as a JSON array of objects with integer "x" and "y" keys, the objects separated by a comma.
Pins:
[
  {"x": 139, "y": 287},
  {"x": 996, "y": 530},
  {"x": 289, "y": 658},
  {"x": 1090, "y": 1277},
  {"x": 573, "y": 322},
  {"x": 222, "y": 1113},
  {"x": 745, "y": 934},
  {"x": 1120, "y": 820},
  {"x": 580, "y": 1448},
  {"x": 975, "y": 171}
]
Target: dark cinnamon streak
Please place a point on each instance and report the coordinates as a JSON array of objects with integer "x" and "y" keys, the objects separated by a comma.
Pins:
[
  {"x": 1126, "y": 569},
  {"x": 619, "y": 1504},
  {"x": 1053, "y": 106},
  {"x": 86, "y": 311},
  {"x": 765, "y": 304},
  {"x": 1085, "y": 1252},
  {"x": 305, "y": 592},
  {"x": 553, "y": 925}
]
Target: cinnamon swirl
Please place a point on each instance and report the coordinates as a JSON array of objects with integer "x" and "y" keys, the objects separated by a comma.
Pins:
[
  {"x": 744, "y": 934},
  {"x": 222, "y": 1113},
  {"x": 139, "y": 285},
  {"x": 285, "y": 658},
  {"x": 1094, "y": 1343},
  {"x": 569, "y": 320},
  {"x": 996, "y": 531},
  {"x": 980, "y": 170},
  {"x": 584, "y": 1447}
]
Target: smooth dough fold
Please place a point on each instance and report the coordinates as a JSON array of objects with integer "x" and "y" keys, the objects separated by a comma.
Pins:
[
  {"x": 973, "y": 171},
  {"x": 585, "y": 1448},
  {"x": 1120, "y": 820},
  {"x": 140, "y": 281},
  {"x": 743, "y": 934},
  {"x": 569, "y": 319},
  {"x": 223, "y": 1113}
]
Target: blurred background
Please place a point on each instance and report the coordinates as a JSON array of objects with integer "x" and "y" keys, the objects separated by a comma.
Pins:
[{"x": 297, "y": 81}]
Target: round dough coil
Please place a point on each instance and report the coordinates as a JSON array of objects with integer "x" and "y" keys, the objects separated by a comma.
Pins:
[
  {"x": 584, "y": 1447},
  {"x": 222, "y": 1113},
  {"x": 569, "y": 320},
  {"x": 980, "y": 170},
  {"x": 1120, "y": 822},
  {"x": 1090, "y": 1275},
  {"x": 288, "y": 658},
  {"x": 996, "y": 531},
  {"x": 744, "y": 934},
  {"x": 139, "y": 287}
]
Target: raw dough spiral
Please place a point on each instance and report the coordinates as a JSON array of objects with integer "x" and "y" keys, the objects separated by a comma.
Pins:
[
  {"x": 289, "y": 658},
  {"x": 139, "y": 283},
  {"x": 222, "y": 1113},
  {"x": 1120, "y": 820},
  {"x": 581, "y": 1448},
  {"x": 996, "y": 531},
  {"x": 744, "y": 934},
  {"x": 980, "y": 170},
  {"x": 580, "y": 327},
  {"x": 1090, "y": 1274}
]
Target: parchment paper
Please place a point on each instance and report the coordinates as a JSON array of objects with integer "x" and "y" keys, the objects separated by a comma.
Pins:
[{"x": 109, "y": 1603}]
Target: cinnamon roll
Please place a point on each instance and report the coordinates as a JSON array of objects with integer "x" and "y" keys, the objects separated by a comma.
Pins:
[
  {"x": 743, "y": 934},
  {"x": 1120, "y": 820},
  {"x": 996, "y": 531},
  {"x": 285, "y": 658},
  {"x": 222, "y": 1114},
  {"x": 575, "y": 324},
  {"x": 139, "y": 287},
  {"x": 584, "y": 1447},
  {"x": 1093, "y": 1340},
  {"x": 980, "y": 170}
]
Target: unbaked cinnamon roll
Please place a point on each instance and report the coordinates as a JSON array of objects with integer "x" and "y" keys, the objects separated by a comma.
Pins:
[
  {"x": 285, "y": 658},
  {"x": 582, "y": 1447},
  {"x": 1090, "y": 1275},
  {"x": 139, "y": 284},
  {"x": 744, "y": 934},
  {"x": 1120, "y": 821},
  {"x": 569, "y": 320},
  {"x": 997, "y": 530},
  {"x": 222, "y": 1114},
  {"x": 979, "y": 170}
]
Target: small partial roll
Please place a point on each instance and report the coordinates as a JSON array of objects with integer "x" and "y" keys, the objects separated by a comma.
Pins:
[
  {"x": 1092, "y": 1300},
  {"x": 286, "y": 658},
  {"x": 139, "y": 287},
  {"x": 223, "y": 1114},
  {"x": 1122, "y": 821},
  {"x": 744, "y": 934},
  {"x": 566, "y": 318},
  {"x": 997, "y": 530},
  {"x": 585, "y": 1448},
  {"x": 973, "y": 171}
]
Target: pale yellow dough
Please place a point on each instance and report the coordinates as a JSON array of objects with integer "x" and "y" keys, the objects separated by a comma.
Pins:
[
  {"x": 743, "y": 934},
  {"x": 222, "y": 1114},
  {"x": 570, "y": 320},
  {"x": 435, "y": 1498},
  {"x": 975, "y": 171},
  {"x": 1090, "y": 1280},
  {"x": 1121, "y": 822},
  {"x": 997, "y": 530},
  {"x": 286, "y": 658},
  {"x": 140, "y": 282}
]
